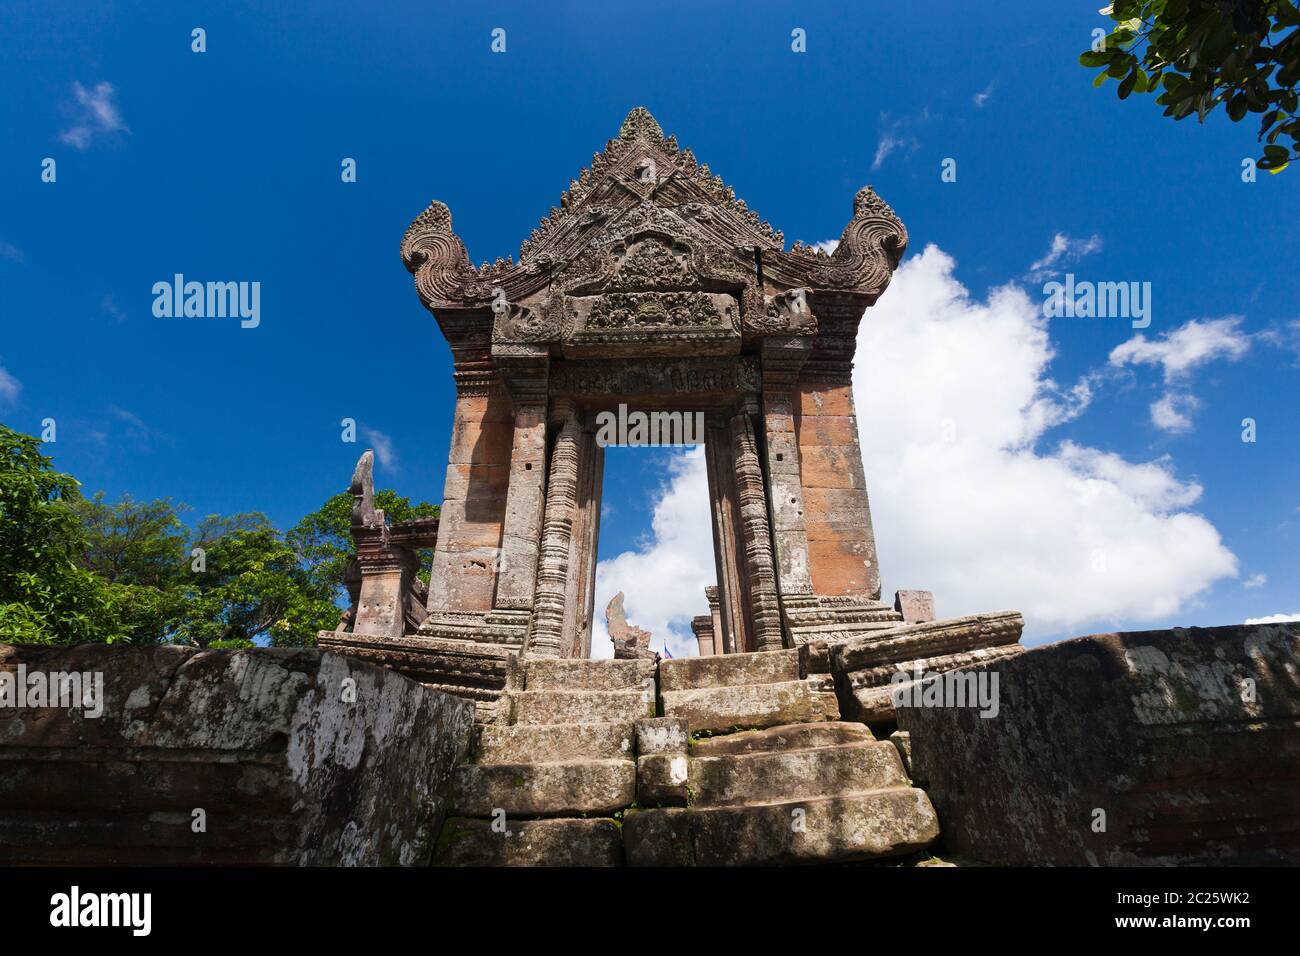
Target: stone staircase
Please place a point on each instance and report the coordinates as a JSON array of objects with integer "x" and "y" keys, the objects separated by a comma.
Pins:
[
  {"x": 748, "y": 764},
  {"x": 544, "y": 781},
  {"x": 790, "y": 783}
]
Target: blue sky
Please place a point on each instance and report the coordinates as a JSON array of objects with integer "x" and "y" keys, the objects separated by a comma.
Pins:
[{"x": 225, "y": 166}]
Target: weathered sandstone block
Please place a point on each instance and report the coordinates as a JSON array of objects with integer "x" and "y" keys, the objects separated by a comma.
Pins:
[
  {"x": 867, "y": 669},
  {"x": 562, "y": 842},
  {"x": 1150, "y": 747},
  {"x": 285, "y": 756},
  {"x": 823, "y": 830}
]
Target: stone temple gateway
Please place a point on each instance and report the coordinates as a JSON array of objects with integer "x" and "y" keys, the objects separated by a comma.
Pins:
[{"x": 651, "y": 286}]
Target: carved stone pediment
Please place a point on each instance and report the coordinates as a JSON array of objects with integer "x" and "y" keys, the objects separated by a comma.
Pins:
[{"x": 647, "y": 217}]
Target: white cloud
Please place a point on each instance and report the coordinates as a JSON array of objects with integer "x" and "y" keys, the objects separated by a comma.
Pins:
[
  {"x": 1255, "y": 581},
  {"x": 897, "y": 136},
  {"x": 9, "y": 387},
  {"x": 383, "y": 446},
  {"x": 827, "y": 246},
  {"x": 1064, "y": 251},
  {"x": 953, "y": 398},
  {"x": 1275, "y": 618},
  {"x": 983, "y": 97},
  {"x": 1168, "y": 413},
  {"x": 1179, "y": 352},
  {"x": 12, "y": 253},
  {"x": 95, "y": 114},
  {"x": 663, "y": 582}
]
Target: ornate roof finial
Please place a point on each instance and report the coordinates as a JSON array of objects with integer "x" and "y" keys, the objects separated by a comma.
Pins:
[{"x": 640, "y": 123}]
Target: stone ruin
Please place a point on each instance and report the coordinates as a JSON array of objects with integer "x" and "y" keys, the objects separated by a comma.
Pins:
[
  {"x": 630, "y": 642},
  {"x": 653, "y": 286}
]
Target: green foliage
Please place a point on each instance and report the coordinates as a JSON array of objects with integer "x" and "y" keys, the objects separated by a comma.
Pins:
[
  {"x": 46, "y": 596},
  {"x": 1195, "y": 54},
  {"x": 84, "y": 570},
  {"x": 253, "y": 585}
]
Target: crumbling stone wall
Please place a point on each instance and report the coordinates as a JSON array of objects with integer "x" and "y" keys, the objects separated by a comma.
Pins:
[
  {"x": 1151, "y": 747},
  {"x": 235, "y": 757}
]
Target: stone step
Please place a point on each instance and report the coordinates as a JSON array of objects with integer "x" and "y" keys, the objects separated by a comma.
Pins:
[
  {"x": 863, "y": 826},
  {"x": 564, "y": 674},
  {"x": 542, "y": 789},
  {"x": 729, "y": 670},
  {"x": 554, "y": 842},
  {"x": 579, "y": 706},
  {"x": 553, "y": 743},
  {"x": 783, "y": 737},
  {"x": 734, "y": 779},
  {"x": 749, "y": 706},
  {"x": 774, "y": 777}
]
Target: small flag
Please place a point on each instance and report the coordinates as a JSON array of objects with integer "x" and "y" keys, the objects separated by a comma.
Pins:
[{"x": 667, "y": 653}]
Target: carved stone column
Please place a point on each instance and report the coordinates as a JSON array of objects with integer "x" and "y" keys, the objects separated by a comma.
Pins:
[
  {"x": 733, "y": 636},
  {"x": 783, "y": 357},
  {"x": 751, "y": 495},
  {"x": 546, "y": 638},
  {"x": 580, "y": 595}
]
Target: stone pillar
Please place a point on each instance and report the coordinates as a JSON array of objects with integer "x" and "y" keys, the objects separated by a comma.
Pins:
[
  {"x": 520, "y": 540},
  {"x": 547, "y": 634},
  {"x": 751, "y": 495},
  {"x": 782, "y": 360},
  {"x": 581, "y": 594},
  {"x": 704, "y": 636},
  {"x": 386, "y": 576},
  {"x": 715, "y": 613},
  {"x": 463, "y": 574},
  {"x": 734, "y": 634},
  {"x": 841, "y": 544}
]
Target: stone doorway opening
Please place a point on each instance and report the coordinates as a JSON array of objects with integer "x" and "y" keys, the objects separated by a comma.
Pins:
[{"x": 655, "y": 545}]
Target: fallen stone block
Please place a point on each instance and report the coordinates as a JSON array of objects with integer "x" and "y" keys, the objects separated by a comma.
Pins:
[
  {"x": 917, "y": 607},
  {"x": 868, "y": 669}
]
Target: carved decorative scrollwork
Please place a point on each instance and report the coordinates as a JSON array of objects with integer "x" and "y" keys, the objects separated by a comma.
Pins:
[{"x": 627, "y": 310}]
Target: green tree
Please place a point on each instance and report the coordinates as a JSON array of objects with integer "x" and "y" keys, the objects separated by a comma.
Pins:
[
  {"x": 1242, "y": 53},
  {"x": 252, "y": 584},
  {"x": 46, "y": 596}
]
